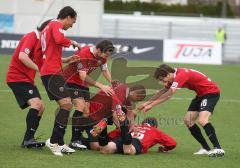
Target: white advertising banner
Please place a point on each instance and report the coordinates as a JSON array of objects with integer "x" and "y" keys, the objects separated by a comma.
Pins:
[{"x": 196, "y": 52}]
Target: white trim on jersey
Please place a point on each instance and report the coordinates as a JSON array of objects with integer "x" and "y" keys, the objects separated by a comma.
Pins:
[{"x": 37, "y": 34}]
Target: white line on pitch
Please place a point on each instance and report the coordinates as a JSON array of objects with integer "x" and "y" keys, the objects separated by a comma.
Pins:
[{"x": 173, "y": 98}]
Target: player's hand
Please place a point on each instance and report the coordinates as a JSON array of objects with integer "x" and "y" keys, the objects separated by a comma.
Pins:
[
  {"x": 73, "y": 58},
  {"x": 76, "y": 44},
  {"x": 141, "y": 106},
  {"x": 107, "y": 89},
  {"x": 147, "y": 108}
]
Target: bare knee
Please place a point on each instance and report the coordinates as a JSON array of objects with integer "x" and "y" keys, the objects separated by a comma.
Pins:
[
  {"x": 203, "y": 121},
  {"x": 36, "y": 103},
  {"x": 42, "y": 109},
  {"x": 65, "y": 104},
  {"x": 129, "y": 150},
  {"x": 94, "y": 146},
  {"x": 188, "y": 122}
]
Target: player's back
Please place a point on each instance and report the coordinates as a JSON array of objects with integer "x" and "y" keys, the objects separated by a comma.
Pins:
[
  {"x": 88, "y": 63},
  {"x": 108, "y": 103},
  {"x": 194, "y": 80},
  {"x": 150, "y": 136}
]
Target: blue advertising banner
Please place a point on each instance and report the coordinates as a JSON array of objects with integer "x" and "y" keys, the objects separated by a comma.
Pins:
[{"x": 6, "y": 23}]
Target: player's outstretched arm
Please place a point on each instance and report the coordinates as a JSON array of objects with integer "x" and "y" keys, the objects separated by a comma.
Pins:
[
  {"x": 107, "y": 75},
  {"x": 70, "y": 59},
  {"x": 153, "y": 98},
  {"x": 85, "y": 77},
  {"x": 164, "y": 97}
]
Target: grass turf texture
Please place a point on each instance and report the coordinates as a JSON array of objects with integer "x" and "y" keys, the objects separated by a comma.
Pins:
[{"x": 170, "y": 114}]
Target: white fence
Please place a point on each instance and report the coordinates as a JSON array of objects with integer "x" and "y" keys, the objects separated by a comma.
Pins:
[{"x": 184, "y": 28}]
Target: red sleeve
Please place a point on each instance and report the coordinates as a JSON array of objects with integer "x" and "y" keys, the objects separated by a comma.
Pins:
[
  {"x": 58, "y": 35},
  {"x": 116, "y": 102},
  {"x": 164, "y": 139},
  {"x": 38, "y": 56},
  {"x": 28, "y": 43},
  {"x": 180, "y": 79}
]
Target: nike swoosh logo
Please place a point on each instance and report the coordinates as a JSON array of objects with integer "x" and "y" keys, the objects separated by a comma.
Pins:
[{"x": 137, "y": 50}]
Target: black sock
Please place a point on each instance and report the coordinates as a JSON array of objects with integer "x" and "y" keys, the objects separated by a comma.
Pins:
[
  {"x": 32, "y": 122},
  {"x": 125, "y": 135},
  {"x": 210, "y": 131},
  {"x": 60, "y": 126},
  {"x": 197, "y": 134},
  {"x": 103, "y": 138},
  {"x": 77, "y": 128}
]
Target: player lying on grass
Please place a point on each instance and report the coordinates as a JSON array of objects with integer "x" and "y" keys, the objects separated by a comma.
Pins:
[
  {"x": 123, "y": 141},
  {"x": 201, "y": 107},
  {"x": 26, "y": 61},
  {"x": 104, "y": 106}
]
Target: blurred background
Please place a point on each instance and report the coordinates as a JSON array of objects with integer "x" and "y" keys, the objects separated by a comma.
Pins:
[{"x": 181, "y": 31}]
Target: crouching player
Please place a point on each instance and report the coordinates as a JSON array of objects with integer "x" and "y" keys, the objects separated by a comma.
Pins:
[
  {"x": 145, "y": 136},
  {"x": 103, "y": 106}
]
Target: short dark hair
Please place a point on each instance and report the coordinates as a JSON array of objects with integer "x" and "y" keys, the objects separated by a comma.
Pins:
[
  {"x": 105, "y": 46},
  {"x": 66, "y": 11},
  {"x": 43, "y": 25},
  {"x": 139, "y": 89},
  {"x": 163, "y": 70},
  {"x": 151, "y": 121}
]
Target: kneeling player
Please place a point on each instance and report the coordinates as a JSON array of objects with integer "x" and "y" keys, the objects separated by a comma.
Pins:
[
  {"x": 124, "y": 142},
  {"x": 103, "y": 106}
]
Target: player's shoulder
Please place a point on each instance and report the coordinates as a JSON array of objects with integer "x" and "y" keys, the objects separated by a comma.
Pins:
[
  {"x": 117, "y": 85},
  {"x": 30, "y": 37},
  {"x": 84, "y": 52}
]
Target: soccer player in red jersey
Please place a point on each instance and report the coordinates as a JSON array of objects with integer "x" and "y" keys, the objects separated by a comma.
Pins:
[
  {"x": 201, "y": 107},
  {"x": 104, "y": 106},
  {"x": 78, "y": 79},
  {"x": 25, "y": 63},
  {"x": 52, "y": 42},
  {"x": 138, "y": 142}
]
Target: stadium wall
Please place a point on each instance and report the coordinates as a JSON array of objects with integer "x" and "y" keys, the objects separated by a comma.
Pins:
[
  {"x": 28, "y": 14},
  {"x": 180, "y": 28}
]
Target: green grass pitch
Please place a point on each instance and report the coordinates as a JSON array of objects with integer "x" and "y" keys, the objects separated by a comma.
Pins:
[{"x": 226, "y": 121}]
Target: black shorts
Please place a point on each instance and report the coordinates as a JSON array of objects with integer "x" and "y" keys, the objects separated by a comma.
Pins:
[
  {"x": 204, "y": 103},
  {"x": 78, "y": 91},
  {"x": 23, "y": 92},
  {"x": 135, "y": 142},
  {"x": 55, "y": 86}
]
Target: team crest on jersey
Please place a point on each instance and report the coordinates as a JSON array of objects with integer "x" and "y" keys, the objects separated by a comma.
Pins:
[
  {"x": 27, "y": 51},
  {"x": 79, "y": 66}
]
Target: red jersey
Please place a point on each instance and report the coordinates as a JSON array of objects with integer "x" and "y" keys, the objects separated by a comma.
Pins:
[
  {"x": 102, "y": 106},
  {"x": 52, "y": 42},
  {"x": 30, "y": 45},
  {"x": 88, "y": 63},
  {"x": 194, "y": 80},
  {"x": 148, "y": 137}
]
